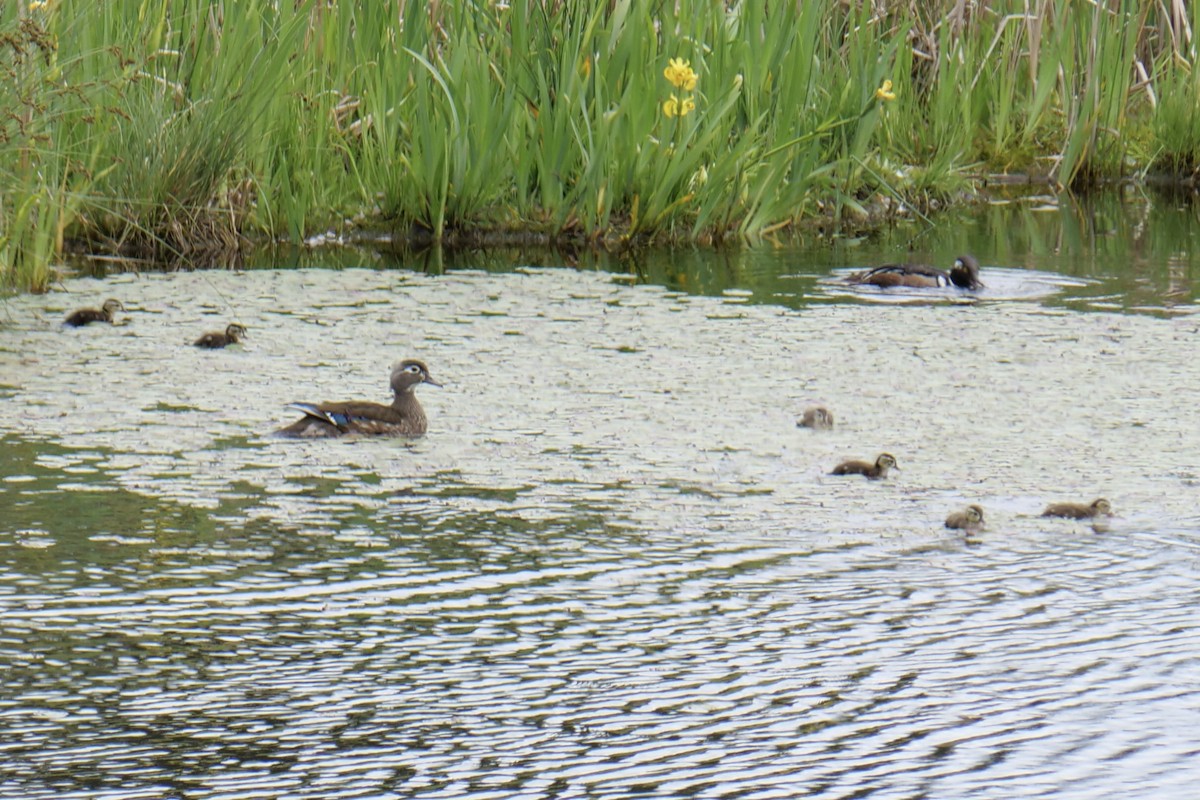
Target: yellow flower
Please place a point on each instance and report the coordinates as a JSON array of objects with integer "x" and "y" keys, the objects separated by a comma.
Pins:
[
  {"x": 680, "y": 74},
  {"x": 34, "y": 5},
  {"x": 674, "y": 107},
  {"x": 884, "y": 92}
]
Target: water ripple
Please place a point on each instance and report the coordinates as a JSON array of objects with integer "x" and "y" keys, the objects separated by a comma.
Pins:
[{"x": 614, "y": 567}]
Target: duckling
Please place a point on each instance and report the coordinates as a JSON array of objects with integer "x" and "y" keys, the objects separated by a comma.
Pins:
[
  {"x": 970, "y": 519},
  {"x": 964, "y": 275},
  {"x": 874, "y": 471},
  {"x": 1099, "y": 507},
  {"x": 817, "y": 417},
  {"x": 85, "y": 316},
  {"x": 404, "y": 417},
  {"x": 215, "y": 340}
]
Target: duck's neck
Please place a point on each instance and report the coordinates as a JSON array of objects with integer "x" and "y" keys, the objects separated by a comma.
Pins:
[{"x": 407, "y": 406}]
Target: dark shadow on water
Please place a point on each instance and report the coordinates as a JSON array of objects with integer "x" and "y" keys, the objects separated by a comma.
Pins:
[
  {"x": 69, "y": 525},
  {"x": 1133, "y": 250},
  {"x": 1136, "y": 250}
]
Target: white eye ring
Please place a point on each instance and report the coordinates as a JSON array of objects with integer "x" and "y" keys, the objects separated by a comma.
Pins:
[{"x": 413, "y": 369}]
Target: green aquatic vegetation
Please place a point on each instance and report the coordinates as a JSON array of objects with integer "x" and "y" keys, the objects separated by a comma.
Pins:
[{"x": 173, "y": 130}]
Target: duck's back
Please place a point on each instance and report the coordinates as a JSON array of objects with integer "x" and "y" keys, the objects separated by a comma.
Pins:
[
  {"x": 369, "y": 419},
  {"x": 918, "y": 275}
]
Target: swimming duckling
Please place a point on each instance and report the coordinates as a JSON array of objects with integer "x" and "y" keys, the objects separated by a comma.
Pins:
[
  {"x": 404, "y": 417},
  {"x": 215, "y": 340},
  {"x": 970, "y": 519},
  {"x": 86, "y": 316},
  {"x": 874, "y": 471},
  {"x": 964, "y": 275},
  {"x": 817, "y": 418},
  {"x": 1099, "y": 507}
]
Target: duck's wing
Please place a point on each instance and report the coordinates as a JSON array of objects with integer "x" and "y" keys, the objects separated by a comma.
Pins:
[
  {"x": 353, "y": 416},
  {"x": 940, "y": 277}
]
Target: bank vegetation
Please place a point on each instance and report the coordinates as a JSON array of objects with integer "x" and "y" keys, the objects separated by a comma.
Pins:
[{"x": 181, "y": 131}]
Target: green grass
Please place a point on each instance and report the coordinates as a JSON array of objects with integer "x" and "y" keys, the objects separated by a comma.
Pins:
[{"x": 176, "y": 129}]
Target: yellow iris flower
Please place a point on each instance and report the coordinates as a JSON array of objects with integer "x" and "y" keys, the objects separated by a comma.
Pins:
[
  {"x": 885, "y": 93},
  {"x": 680, "y": 74},
  {"x": 674, "y": 107}
]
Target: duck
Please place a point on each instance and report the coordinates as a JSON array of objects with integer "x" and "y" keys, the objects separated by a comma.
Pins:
[
  {"x": 1098, "y": 508},
  {"x": 404, "y": 417},
  {"x": 86, "y": 316},
  {"x": 817, "y": 418},
  {"x": 215, "y": 340},
  {"x": 963, "y": 275},
  {"x": 969, "y": 519},
  {"x": 879, "y": 469}
]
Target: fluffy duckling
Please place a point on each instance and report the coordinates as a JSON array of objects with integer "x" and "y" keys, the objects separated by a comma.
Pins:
[
  {"x": 874, "y": 471},
  {"x": 215, "y": 340},
  {"x": 1098, "y": 508},
  {"x": 817, "y": 417},
  {"x": 86, "y": 316},
  {"x": 970, "y": 519}
]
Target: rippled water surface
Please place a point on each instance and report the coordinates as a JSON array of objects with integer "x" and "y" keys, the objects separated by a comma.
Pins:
[{"x": 615, "y": 567}]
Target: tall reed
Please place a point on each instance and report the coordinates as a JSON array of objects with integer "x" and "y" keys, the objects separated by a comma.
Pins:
[{"x": 171, "y": 129}]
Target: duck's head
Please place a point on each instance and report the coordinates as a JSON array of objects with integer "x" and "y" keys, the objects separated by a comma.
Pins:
[
  {"x": 409, "y": 373},
  {"x": 965, "y": 273}
]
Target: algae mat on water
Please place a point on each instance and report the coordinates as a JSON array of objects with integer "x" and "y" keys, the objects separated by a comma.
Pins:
[{"x": 681, "y": 408}]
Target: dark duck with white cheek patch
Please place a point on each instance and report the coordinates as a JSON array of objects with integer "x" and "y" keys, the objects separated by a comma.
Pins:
[
  {"x": 215, "y": 340},
  {"x": 86, "y": 316},
  {"x": 964, "y": 275},
  {"x": 404, "y": 417}
]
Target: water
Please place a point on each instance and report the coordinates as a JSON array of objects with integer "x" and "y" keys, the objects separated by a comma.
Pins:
[{"x": 615, "y": 567}]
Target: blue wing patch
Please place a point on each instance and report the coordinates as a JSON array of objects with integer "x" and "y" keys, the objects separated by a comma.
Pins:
[{"x": 332, "y": 417}]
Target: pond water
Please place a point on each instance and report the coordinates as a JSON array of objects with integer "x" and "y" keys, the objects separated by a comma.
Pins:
[{"x": 615, "y": 567}]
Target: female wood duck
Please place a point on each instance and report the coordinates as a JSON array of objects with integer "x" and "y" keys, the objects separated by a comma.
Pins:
[
  {"x": 874, "y": 471},
  {"x": 1099, "y": 508},
  {"x": 404, "y": 417},
  {"x": 215, "y": 340},
  {"x": 85, "y": 316},
  {"x": 969, "y": 519},
  {"x": 964, "y": 274},
  {"x": 817, "y": 418}
]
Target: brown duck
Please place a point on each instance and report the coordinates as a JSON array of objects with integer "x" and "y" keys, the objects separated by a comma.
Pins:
[
  {"x": 404, "y": 417},
  {"x": 817, "y": 418},
  {"x": 86, "y": 316},
  {"x": 964, "y": 275},
  {"x": 873, "y": 471},
  {"x": 969, "y": 519},
  {"x": 215, "y": 340},
  {"x": 1098, "y": 508}
]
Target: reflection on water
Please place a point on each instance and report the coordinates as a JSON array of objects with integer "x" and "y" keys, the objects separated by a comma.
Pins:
[
  {"x": 1126, "y": 251},
  {"x": 615, "y": 566}
]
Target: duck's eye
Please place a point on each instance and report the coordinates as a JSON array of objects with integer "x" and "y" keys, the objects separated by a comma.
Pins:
[{"x": 413, "y": 369}]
